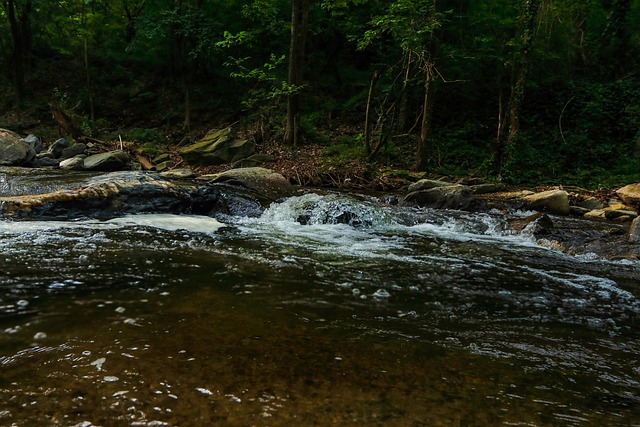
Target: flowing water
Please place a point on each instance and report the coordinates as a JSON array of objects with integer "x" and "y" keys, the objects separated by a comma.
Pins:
[{"x": 326, "y": 310}]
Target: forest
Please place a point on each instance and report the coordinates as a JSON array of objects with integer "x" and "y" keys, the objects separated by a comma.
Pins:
[{"x": 525, "y": 92}]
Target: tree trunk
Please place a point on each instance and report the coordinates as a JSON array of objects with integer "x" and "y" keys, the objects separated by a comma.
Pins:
[
  {"x": 367, "y": 115},
  {"x": 509, "y": 126},
  {"x": 132, "y": 11},
  {"x": 616, "y": 38},
  {"x": 92, "y": 115},
  {"x": 427, "y": 62},
  {"x": 20, "y": 23},
  {"x": 404, "y": 98},
  {"x": 422, "y": 152},
  {"x": 299, "y": 23}
]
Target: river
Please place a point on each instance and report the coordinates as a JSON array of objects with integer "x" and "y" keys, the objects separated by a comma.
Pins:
[{"x": 307, "y": 315}]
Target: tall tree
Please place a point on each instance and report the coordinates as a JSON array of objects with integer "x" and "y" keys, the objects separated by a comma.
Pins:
[
  {"x": 299, "y": 26},
  {"x": 411, "y": 25},
  {"x": 509, "y": 120},
  {"x": 616, "y": 36},
  {"x": 19, "y": 15}
]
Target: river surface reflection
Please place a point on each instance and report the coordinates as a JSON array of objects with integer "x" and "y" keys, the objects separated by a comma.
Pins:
[{"x": 385, "y": 316}]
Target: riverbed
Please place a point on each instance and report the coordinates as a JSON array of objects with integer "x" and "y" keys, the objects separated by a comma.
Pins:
[{"x": 388, "y": 315}]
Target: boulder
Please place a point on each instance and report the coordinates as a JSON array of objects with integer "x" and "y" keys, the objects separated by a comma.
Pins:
[
  {"x": 442, "y": 197},
  {"x": 55, "y": 149},
  {"x": 217, "y": 148},
  {"x": 578, "y": 211},
  {"x": 109, "y": 161},
  {"x": 179, "y": 174},
  {"x": 427, "y": 184},
  {"x": 634, "y": 231},
  {"x": 163, "y": 166},
  {"x": 73, "y": 150},
  {"x": 619, "y": 214},
  {"x": 575, "y": 236},
  {"x": 104, "y": 196},
  {"x": 595, "y": 214},
  {"x": 254, "y": 160},
  {"x": 74, "y": 163},
  {"x": 630, "y": 195},
  {"x": 264, "y": 184},
  {"x": 44, "y": 162},
  {"x": 34, "y": 142},
  {"x": 115, "y": 193},
  {"x": 487, "y": 188},
  {"x": 552, "y": 201},
  {"x": 14, "y": 151},
  {"x": 539, "y": 223},
  {"x": 164, "y": 157},
  {"x": 590, "y": 203}
]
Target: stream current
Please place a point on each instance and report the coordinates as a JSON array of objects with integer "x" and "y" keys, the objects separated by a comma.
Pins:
[{"x": 326, "y": 310}]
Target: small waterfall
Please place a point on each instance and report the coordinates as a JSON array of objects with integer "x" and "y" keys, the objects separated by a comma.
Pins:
[{"x": 313, "y": 209}]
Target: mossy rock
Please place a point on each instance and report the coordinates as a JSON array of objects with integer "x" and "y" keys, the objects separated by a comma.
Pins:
[{"x": 218, "y": 147}]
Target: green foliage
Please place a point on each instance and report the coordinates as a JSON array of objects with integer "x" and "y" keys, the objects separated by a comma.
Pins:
[
  {"x": 145, "y": 136},
  {"x": 410, "y": 22},
  {"x": 344, "y": 151},
  {"x": 580, "y": 118}
]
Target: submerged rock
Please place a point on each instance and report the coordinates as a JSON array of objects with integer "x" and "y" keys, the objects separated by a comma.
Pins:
[{"x": 577, "y": 236}]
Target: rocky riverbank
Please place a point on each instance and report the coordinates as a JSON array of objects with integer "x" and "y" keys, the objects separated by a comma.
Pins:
[
  {"x": 574, "y": 222},
  {"x": 551, "y": 216}
]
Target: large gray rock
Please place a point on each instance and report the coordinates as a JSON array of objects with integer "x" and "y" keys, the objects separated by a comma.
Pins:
[
  {"x": 217, "y": 148},
  {"x": 55, "y": 150},
  {"x": 634, "y": 231},
  {"x": 552, "y": 201},
  {"x": 34, "y": 142},
  {"x": 579, "y": 236},
  {"x": 266, "y": 185},
  {"x": 444, "y": 197},
  {"x": 74, "y": 163},
  {"x": 73, "y": 150},
  {"x": 14, "y": 151},
  {"x": 590, "y": 203},
  {"x": 427, "y": 184},
  {"x": 253, "y": 161},
  {"x": 115, "y": 193},
  {"x": 630, "y": 195},
  {"x": 43, "y": 162},
  {"x": 107, "y": 162},
  {"x": 487, "y": 188},
  {"x": 106, "y": 195}
]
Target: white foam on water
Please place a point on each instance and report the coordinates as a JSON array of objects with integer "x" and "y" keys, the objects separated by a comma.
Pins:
[
  {"x": 192, "y": 223},
  {"x": 38, "y": 231}
]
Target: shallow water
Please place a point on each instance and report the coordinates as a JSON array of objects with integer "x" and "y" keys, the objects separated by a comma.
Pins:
[{"x": 399, "y": 317}]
